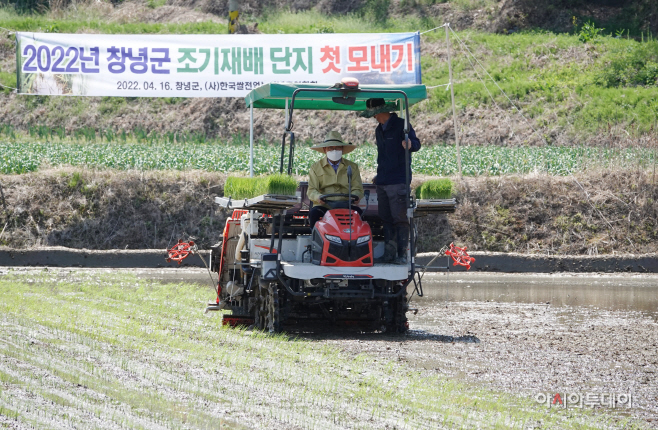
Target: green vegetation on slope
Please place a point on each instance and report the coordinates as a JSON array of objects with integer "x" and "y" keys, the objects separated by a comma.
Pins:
[
  {"x": 557, "y": 80},
  {"x": 276, "y": 22},
  {"x": 97, "y": 24},
  {"x": 113, "y": 350},
  {"x": 562, "y": 84}
]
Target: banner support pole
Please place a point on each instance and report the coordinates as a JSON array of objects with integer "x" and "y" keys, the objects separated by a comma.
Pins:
[
  {"x": 233, "y": 16},
  {"x": 251, "y": 140},
  {"x": 452, "y": 96}
]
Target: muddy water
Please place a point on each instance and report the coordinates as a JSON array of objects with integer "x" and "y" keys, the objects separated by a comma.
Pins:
[
  {"x": 618, "y": 292},
  {"x": 529, "y": 334}
]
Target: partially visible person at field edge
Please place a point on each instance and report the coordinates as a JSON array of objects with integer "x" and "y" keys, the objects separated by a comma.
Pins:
[
  {"x": 329, "y": 175},
  {"x": 391, "y": 178}
]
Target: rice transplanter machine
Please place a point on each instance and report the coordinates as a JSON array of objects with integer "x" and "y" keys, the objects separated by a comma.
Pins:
[{"x": 275, "y": 271}]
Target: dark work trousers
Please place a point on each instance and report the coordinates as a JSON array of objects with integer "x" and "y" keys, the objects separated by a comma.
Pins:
[
  {"x": 317, "y": 212},
  {"x": 392, "y": 209}
]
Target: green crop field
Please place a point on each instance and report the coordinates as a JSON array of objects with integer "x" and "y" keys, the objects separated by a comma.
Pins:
[
  {"x": 437, "y": 160},
  {"x": 83, "y": 349}
]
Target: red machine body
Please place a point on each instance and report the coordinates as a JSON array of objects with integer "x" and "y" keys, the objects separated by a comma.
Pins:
[{"x": 342, "y": 238}]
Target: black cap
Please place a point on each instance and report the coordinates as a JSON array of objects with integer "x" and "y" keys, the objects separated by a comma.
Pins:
[{"x": 373, "y": 103}]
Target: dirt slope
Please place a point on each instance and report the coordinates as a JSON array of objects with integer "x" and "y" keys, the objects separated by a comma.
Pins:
[
  {"x": 600, "y": 213},
  {"x": 226, "y": 117}
]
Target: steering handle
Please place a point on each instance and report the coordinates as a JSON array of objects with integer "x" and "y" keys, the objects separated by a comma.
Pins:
[{"x": 354, "y": 197}]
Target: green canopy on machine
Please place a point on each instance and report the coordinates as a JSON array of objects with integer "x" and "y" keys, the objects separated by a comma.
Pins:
[{"x": 273, "y": 96}]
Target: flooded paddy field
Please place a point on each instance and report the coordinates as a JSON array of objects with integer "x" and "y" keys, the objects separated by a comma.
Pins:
[
  {"x": 580, "y": 335},
  {"x": 126, "y": 349}
]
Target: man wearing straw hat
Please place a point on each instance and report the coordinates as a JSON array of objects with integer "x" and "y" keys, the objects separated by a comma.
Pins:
[
  {"x": 329, "y": 175},
  {"x": 391, "y": 176}
]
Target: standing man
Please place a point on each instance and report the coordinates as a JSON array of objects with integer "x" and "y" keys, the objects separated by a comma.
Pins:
[
  {"x": 329, "y": 175},
  {"x": 391, "y": 179}
]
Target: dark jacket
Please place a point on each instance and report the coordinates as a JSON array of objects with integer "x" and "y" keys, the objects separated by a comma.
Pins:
[{"x": 390, "y": 152}]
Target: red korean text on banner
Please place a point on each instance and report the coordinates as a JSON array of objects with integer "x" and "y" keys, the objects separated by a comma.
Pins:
[
  {"x": 384, "y": 62},
  {"x": 359, "y": 56},
  {"x": 383, "y": 58},
  {"x": 332, "y": 55}
]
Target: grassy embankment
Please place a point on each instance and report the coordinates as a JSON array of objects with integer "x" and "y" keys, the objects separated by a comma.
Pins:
[
  {"x": 559, "y": 81},
  {"x": 571, "y": 91},
  {"x": 113, "y": 351}
]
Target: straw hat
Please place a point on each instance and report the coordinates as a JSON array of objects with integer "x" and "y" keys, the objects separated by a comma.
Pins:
[
  {"x": 334, "y": 138},
  {"x": 375, "y": 106}
]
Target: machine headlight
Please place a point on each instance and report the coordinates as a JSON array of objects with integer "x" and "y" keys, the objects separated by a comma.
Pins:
[
  {"x": 334, "y": 239},
  {"x": 363, "y": 239}
]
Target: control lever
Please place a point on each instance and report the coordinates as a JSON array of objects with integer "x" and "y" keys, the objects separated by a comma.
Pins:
[{"x": 349, "y": 205}]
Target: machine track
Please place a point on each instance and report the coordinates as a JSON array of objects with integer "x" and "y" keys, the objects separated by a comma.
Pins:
[{"x": 398, "y": 323}]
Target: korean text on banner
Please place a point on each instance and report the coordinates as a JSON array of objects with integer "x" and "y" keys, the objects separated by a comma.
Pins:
[{"x": 208, "y": 65}]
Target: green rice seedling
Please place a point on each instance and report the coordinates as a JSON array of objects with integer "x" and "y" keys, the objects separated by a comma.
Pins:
[
  {"x": 214, "y": 156},
  {"x": 277, "y": 184},
  {"x": 240, "y": 188},
  {"x": 435, "y": 189}
]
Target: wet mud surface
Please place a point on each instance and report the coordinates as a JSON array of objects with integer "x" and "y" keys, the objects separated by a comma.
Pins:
[
  {"x": 525, "y": 334},
  {"x": 531, "y": 334}
]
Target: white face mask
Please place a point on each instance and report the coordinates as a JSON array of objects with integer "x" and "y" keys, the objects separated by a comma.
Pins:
[{"x": 335, "y": 155}]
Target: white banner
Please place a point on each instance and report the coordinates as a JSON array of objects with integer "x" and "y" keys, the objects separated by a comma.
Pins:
[{"x": 208, "y": 65}]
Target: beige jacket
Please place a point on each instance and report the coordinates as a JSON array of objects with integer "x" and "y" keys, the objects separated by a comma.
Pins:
[{"x": 323, "y": 180}]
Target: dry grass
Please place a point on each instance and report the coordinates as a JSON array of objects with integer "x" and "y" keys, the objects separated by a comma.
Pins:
[
  {"x": 613, "y": 212},
  {"x": 111, "y": 210}
]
